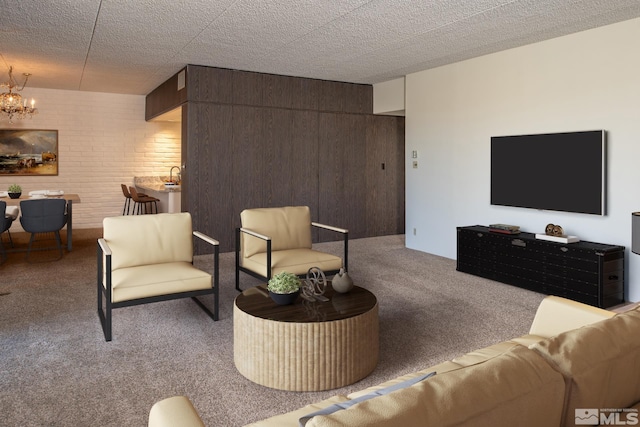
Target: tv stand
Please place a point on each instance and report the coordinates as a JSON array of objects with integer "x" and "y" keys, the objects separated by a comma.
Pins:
[{"x": 591, "y": 273}]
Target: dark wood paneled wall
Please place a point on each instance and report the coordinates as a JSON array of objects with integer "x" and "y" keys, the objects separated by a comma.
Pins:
[
  {"x": 259, "y": 140},
  {"x": 165, "y": 97}
]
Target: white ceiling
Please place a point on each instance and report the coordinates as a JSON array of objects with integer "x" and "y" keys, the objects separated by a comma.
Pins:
[{"x": 132, "y": 46}]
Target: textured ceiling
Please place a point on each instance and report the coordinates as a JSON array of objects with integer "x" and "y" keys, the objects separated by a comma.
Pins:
[{"x": 125, "y": 46}]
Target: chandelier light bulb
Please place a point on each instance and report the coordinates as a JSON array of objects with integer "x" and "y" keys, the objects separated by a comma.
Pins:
[{"x": 11, "y": 103}]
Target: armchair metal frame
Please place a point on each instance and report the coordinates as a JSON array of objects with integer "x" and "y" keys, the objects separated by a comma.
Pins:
[
  {"x": 105, "y": 315},
  {"x": 266, "y": 277}
]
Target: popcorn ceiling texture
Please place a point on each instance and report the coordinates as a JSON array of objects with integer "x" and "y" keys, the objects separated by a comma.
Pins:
[{"x": 132, "y": 47}]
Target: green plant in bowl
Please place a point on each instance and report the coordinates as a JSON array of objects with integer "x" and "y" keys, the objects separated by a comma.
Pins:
[
  {"x": 284, "y": 283},
  {"x": 14, "y": 191}
]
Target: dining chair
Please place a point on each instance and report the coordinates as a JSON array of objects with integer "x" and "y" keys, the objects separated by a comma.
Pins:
[
  {"x": 5, "y": 223},
  {"x": 43, "y": 216}
]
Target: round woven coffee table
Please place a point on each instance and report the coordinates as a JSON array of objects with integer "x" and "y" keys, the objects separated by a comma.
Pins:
[{"x": 306, "y": 346}]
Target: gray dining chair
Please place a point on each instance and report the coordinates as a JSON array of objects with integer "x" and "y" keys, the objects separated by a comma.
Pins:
[
  {"x": 43, "y": 216},
  {"x": 5, "y": 223}
]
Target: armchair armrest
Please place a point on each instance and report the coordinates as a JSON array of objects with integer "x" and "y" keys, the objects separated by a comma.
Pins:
[
  {"x": 346, "y": 239},
  {"x": 104, "y": 246},
  {"x": 206, "y": 238},
  {"x": 329, "y": 227},
  {"x": 259, "y": 236},
  {"x": 216, "y": 269},
  {"x": 103, "y": 281},
  {"x": 104, "y": 265},
  {"x": 254, "y": 234}
]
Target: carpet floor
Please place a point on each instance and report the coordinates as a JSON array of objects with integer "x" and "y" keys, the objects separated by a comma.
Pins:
[{"x": 57, "y": 370}]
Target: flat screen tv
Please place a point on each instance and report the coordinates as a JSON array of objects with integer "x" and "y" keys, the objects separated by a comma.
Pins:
[{"x": 554, "y": 171}]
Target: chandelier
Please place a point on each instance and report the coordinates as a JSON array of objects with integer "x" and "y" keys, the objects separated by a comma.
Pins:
[{"x": 12, "y": 103}]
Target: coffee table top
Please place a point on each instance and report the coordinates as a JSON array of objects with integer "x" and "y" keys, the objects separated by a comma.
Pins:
[{"x": 256, "y": 302}]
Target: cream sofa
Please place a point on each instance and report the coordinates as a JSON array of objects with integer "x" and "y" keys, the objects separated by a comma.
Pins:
[{"x": 575, "y": 358}]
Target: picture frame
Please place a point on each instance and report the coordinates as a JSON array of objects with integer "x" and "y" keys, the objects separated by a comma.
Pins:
[{"x": 25, "y": 152}]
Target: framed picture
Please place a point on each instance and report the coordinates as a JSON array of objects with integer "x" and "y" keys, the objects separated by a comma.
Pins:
[{"x": 28, "y": 152}]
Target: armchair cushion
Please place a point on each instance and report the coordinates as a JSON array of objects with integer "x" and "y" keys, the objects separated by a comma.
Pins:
[
  {"x": 289, "y": 228},
  {"x": 296, "y": 261},
  {"x": 160, "y": 279},
  {"x": 149, "y": 239}
]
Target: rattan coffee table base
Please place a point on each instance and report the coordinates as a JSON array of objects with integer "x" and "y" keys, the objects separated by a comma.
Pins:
[{"x": 309, "y": 356}]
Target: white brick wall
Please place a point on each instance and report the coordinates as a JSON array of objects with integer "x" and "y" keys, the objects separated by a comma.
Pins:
[{"x": 103, "y": 141}]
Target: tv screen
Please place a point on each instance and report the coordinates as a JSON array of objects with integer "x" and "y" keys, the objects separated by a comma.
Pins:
[{"x": 555, "y": 171}]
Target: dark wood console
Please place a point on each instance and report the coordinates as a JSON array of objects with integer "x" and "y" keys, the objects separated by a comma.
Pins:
[{"x": 591, "y": 273}]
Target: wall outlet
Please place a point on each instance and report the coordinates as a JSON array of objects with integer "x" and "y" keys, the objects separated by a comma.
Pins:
[{"x": 415, "y": 164}]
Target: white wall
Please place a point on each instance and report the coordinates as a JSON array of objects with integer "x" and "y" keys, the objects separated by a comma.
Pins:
[
  {"x": 585, "y": 81},
  {"x": 388, "y": 97},
  {"x": 103, "y": 141}
]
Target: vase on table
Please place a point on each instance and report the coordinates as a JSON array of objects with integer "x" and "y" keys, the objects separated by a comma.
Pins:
[{"x": 341, "y": 282}]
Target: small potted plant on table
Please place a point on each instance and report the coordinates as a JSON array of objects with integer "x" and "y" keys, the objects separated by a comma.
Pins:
[
  {"x": 15, "y": 191},
  {"x": 284, "y": 288}
]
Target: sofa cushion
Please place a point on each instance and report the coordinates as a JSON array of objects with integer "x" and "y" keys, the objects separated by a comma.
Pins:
[
  {"x": 288, "y": 227},
  {"x": 477, "y": 356},
  {"x": 149, "y": 239},
  {"x": 379, "y": 392},
  {"x": 515, "y": 388},
  {"x": 291, "y": 418},
  {"x": 600, "y": 363},
  {"x": 438, "y": 369}
]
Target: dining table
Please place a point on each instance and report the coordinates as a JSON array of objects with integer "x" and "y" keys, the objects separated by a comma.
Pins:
[{"x": 70, "y": 198}]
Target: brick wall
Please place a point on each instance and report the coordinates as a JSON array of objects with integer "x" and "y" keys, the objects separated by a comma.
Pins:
[{"x": 103, "y": 141}]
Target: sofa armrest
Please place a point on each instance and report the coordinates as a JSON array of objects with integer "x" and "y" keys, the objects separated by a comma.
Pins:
[
  {"x": 556, "y": 315},
  {"x": 174, "y": 411}
]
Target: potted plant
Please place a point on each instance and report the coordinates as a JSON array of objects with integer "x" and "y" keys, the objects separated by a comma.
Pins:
[
  {"x": 284, "y": 288},
  {"x": 15, "y": 191}
]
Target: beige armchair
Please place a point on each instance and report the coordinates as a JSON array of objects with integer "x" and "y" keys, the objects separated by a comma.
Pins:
[
  {"x": 272, "y": 240},
  {"x": 149, "y": 258}
]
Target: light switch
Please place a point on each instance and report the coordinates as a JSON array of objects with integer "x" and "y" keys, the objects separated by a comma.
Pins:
[
  {"x": 415, "y": 164},
  {"x": 414, "y": 154}
]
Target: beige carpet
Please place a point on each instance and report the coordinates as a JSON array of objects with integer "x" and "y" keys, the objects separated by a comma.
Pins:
[{"x": 57, "y": 370}]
